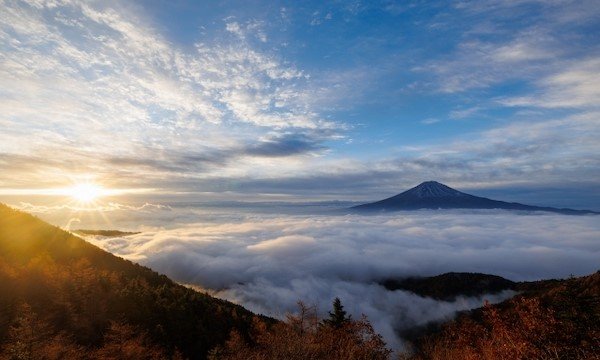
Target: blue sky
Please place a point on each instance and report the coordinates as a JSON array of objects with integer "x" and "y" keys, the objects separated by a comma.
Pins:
[{"x": 350, "y": 100}]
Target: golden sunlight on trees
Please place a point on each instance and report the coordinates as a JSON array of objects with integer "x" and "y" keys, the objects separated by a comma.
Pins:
[
  {"x": 63, "y": 298},
  {"x": 123, "y": 341},
  {"x": 30, "y": 338},
  {"x": 302, "y": 336}
]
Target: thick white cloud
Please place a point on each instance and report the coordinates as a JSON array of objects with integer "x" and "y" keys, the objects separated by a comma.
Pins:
[{"x": 269, "y": 262}]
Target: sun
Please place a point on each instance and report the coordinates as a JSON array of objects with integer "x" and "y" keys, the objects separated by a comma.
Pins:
[{"x": 86, "y": 192}]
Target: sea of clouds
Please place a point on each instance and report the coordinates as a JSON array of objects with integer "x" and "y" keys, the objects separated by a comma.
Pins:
[{"x": 267, "y": 262}]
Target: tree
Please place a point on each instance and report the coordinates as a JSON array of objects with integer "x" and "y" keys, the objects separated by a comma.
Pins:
[
  {"x": 337, "y": 318},
  {"x": 123, "y": 341},
  {"x": 301, "y": 337},
  {"x": 32, "y": 338}
]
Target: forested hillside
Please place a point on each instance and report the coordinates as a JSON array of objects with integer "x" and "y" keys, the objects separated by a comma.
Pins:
[
  {"x": 553, "y": 319},
  {"x": 61, "y": 297},
  {"x": 450, "y": 285}
]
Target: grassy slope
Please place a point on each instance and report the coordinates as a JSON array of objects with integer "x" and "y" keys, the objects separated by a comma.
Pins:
[{"x": 78, "y": 289}]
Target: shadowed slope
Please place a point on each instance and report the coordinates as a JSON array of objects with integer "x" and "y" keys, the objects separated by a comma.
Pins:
[{"x": 448, "y": 286}]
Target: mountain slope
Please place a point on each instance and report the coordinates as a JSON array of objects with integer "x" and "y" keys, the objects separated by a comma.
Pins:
[
  {"x": 434, "y": 195},
  {"x": 550, "y": 319},
  {"x": 81, "y": 294}
]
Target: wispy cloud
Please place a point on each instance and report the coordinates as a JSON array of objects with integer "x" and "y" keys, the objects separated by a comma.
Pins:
[
  {"x": 430, "y": 121},
  {"x": 537, "y": 153},
  {"x": 252, "y": 27},
  {"x": 102, "y": 80},
  {"x": 478, "y": 64},
  {"x": 109, "y": 207},
  {"x": 284, "y": 145},
  {"x": 503, "y": 42},
  {"x": 577, "y": 86},
  {"x": 464, "y": 113}
]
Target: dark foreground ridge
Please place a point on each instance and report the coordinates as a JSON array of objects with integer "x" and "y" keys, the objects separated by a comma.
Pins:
[
  {"x": 434, "y": 195},
  {"x": 67, "y": 299}
]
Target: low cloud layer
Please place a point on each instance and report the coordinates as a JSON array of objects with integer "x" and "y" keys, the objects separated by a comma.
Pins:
[{"x": 269, "y": 262}]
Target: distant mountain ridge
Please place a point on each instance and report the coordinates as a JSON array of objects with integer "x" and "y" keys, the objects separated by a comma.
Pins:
[
  {"x": 434, "y": 195},
  {"x": 448, "y": 286},
  {"x": 106, "y": 233}
]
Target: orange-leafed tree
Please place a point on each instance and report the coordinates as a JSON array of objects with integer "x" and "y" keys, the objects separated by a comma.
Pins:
[
  {"x": 31, "y": 338},
  {"x": 123, "y": 341},
  {"x": 303, "y": 336}
]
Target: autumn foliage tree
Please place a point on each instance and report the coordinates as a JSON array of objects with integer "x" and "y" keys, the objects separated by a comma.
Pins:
[
  {"x": 548, "y": 322},
  {"x": 123, "y": 341},
  {"x": 31, "y": 338},
  {"x": 303, "y": 336}
]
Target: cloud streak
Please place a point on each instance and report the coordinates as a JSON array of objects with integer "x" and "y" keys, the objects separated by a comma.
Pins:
[{"x": 573, "y": 87}]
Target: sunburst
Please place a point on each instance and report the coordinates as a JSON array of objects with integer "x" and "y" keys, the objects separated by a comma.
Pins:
[{"x": 85, "y": 192}]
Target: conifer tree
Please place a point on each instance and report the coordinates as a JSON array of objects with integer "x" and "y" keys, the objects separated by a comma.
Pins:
[{"x": 338, "y": 317}]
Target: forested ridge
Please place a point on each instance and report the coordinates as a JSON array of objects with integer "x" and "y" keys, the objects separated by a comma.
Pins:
[
  {"x": 67, "y": 293},
  {"x": 448, "y": 286},
  {"x": 549, "y": 319}
]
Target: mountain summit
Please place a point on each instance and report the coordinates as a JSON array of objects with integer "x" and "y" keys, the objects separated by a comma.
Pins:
[
  {"x": 432, "y": 189},
  {"x": 435, "y": 195}
]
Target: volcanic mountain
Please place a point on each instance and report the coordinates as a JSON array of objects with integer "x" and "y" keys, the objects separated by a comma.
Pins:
[{"x": 434, "y": 195}]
